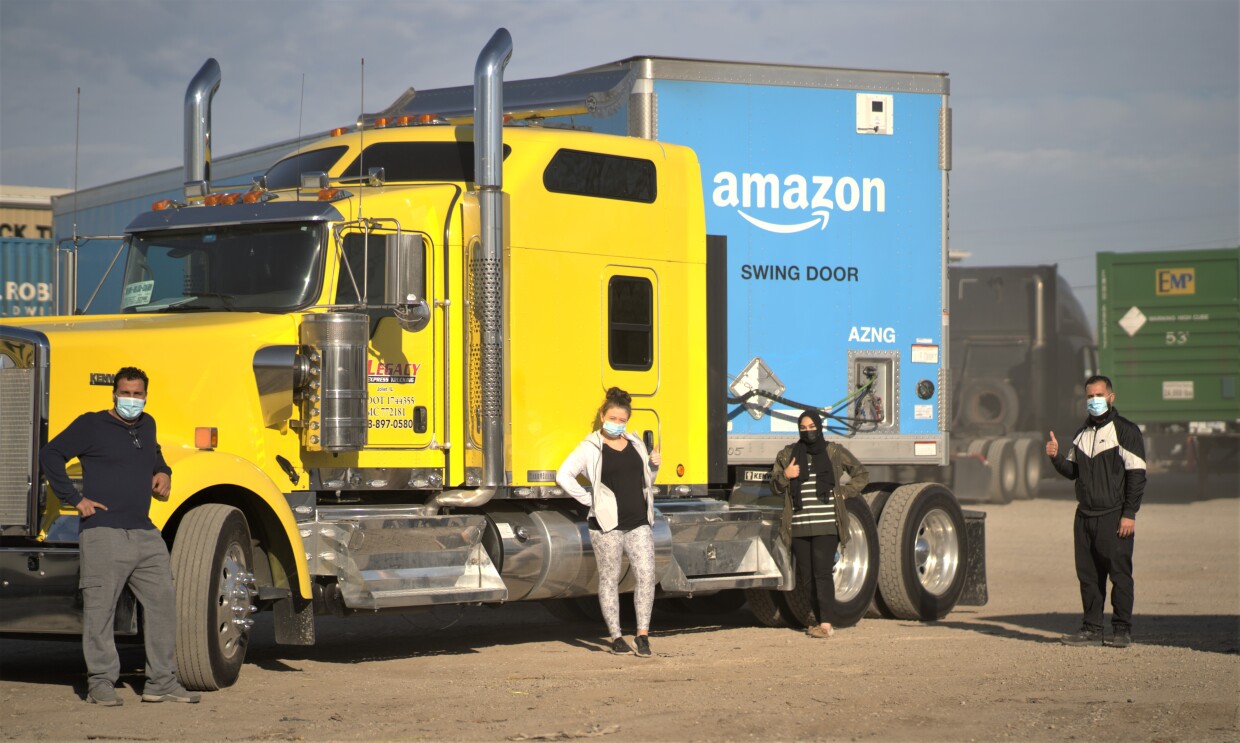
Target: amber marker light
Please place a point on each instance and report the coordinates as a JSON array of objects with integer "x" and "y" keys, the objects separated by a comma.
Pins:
[
  {"x": 339, "y": 130},
  {"x": 206, "y": 438},
  {"x": 680, "y": 470},
  {"x": 161, "y": 205},
  {"x": 212, "y": 199},
  {"x": 327, "y": 194},
  {"x": 228, "y": 199},
  {"x": 404, "y": 120},
  {"x": 381, "y": 122},
  {"x": 251, "y": 197}
]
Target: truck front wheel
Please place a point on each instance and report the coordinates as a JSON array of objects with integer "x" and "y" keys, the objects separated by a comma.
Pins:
[
  {"x": 211, "y": 561},
  {"x": 922, "y": 542}
]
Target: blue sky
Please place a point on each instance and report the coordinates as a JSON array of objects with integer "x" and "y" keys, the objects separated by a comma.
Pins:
[{"x": 1079, "y": 126}]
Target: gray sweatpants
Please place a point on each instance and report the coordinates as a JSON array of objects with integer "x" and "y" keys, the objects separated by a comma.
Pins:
[
  {"x": 112, "y": 558},
  {"x": 609, "y": 550}
]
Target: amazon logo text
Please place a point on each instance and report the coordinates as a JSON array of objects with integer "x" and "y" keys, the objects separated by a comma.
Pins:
[{"x": 813, "y": 196}]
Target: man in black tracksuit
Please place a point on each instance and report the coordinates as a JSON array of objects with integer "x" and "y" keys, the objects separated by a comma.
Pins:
[{"x": 1107, "y": 461}]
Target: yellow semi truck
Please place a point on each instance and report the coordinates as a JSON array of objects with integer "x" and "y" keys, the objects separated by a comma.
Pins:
[{"x": 367, "y": 367}]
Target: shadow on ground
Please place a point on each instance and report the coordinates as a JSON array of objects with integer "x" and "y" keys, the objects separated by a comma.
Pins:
[{"x": 1208, "y": 634}]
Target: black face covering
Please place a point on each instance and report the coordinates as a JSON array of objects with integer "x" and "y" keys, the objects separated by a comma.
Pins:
[
  {"x": 812, "y": 443},
  {"x": 812, "y": 439}
]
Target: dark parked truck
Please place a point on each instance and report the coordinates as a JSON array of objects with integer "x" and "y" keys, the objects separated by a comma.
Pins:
[
  {"x": 1169, "y": 338},
  {"x": 1021, "y": 349}
]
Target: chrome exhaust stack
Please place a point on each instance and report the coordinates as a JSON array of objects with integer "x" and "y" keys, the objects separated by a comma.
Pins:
[
  {"x": 198, "y": 129},
  {"x": 489, "y": 279}
]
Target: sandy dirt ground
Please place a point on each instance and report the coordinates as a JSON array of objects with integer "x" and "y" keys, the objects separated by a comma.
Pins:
[{"x": 514, "y": 673}]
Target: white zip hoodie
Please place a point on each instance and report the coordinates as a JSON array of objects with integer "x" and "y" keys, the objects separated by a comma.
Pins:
[{"x": 587, "y": 459}]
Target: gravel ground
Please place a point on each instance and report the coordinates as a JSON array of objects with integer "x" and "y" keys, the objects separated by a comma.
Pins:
[{"x": 514, "y": 673}]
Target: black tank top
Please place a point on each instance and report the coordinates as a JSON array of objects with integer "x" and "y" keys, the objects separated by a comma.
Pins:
[{"x": 623, "y": 474}]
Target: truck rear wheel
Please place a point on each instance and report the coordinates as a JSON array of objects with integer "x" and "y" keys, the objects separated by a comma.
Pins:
[
  {"x": 878, "y": 608},
  {"x": 856, "y": 574},
  {"x": 1030, "y": 456},
  {"x": 1004, "y": 476},
  {"x": 765, "y": 605},
  {"x": 922, "y": 545},
  {"x": 211, "y": 561}
]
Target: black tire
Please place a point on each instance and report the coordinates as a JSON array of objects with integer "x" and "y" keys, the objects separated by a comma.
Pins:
[
  {"x": 990, "y": 403},
  {"x": 878, "y": 608},
  {"x": 211, "y": 561},
  {"x": 923, "y": 550},
  {"x": 765, "y": 605},
  {"x": 856, "y": 575},
  {"x": 1004, "y": 476},
  {"x": 1030, "y": 463}
]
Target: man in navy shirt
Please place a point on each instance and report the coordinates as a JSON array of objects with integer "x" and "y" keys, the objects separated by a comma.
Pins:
[{"x": 122, "y": 467}]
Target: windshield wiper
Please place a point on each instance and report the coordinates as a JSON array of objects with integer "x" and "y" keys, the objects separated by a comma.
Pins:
[{"x": 226, "y": 300}]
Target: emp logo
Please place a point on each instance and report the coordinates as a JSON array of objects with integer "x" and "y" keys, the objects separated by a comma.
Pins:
[{"x": 1169, "y": 281}]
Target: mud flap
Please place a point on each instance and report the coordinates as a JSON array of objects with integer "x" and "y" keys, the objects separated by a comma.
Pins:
[{"x": 975, "y": 592}]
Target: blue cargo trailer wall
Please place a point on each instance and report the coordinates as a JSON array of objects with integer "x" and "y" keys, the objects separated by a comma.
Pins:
[
  {"x": 830, "y": 187},
  {"x": 27, "y": 277}
]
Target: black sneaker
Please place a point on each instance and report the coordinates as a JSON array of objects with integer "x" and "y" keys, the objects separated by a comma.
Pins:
[
  {"x": 643, "y": 646},
  {"x": 1122, "y": 638},
  {"x": 1083, "y": 637},
  {"x": 620, "y": 647},
  {"x": 104, "y": 696}
]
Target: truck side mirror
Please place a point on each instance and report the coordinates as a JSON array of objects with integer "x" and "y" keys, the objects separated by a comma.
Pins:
[{"x": 405, "y": 284}]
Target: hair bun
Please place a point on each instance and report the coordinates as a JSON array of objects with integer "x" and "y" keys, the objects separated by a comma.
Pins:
[{"x": 619, "y": 396}]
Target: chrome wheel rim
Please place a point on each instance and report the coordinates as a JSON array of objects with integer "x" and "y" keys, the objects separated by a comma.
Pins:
[
  {"x": 852, "y": 564},
  {"x": 937, "y": 552},
  {"x": 234, "y": 601}
]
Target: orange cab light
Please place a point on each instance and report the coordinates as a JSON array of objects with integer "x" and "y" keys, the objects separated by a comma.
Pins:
[
  {"x": 339, "y": 130},
  {"x": 507, "y": 118},
  {"x": 252, "y": 196},
  {"x": 680, "y": 470},
  {"x": 161, "y": 205},
  {"x": 212, "y": 199},
  {"x": 206, "y": 438},
  {"x": 229, "y": 199},
  {"x": 381, "y": 122},
  {"x": 327, "y": 194},
  {"x": 426, "y": 118},
  {"x": 404, "y": 120}
]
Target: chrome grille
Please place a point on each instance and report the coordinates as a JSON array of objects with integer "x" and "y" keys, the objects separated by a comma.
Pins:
[{"x": 17, "y": 431}]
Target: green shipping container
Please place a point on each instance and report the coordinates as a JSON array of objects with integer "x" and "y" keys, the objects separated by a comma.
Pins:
[{"x": 1169, "y": 334}]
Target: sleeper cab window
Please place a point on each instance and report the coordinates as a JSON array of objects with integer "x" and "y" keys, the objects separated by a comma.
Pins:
[
  {"x": 630, "y": 323},
  {"x": 601, "y": 176}
]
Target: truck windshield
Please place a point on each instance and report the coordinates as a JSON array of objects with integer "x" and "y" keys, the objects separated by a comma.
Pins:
[{"x": 246, "y": 268}]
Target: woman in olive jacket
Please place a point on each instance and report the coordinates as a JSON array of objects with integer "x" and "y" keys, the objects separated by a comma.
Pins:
[{"x": 809, "y": 475}]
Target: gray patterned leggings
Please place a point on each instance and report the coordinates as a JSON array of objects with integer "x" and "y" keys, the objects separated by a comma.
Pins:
[{"x": 609, "y": 549}]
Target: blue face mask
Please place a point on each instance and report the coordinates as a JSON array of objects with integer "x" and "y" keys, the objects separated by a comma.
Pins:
[
  {"x": 1096, "y": 405},
  {"x": 613, "y": 429},
  {"x": 129, "y": 408}
]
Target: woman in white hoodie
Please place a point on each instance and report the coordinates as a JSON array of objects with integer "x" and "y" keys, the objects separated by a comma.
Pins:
[{"x": 621, "y": 474}]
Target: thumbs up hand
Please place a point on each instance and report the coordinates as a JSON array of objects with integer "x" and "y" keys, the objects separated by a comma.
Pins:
[
  {"x": 793, "y": 470},
  {"x": 1052, "y": 446},
  {"x": 656, "y": 459}
]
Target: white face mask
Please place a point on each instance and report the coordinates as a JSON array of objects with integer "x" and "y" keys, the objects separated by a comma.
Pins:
[
  {"x": 1096, "y": 405},
  {"x": 613, "y": 429},
  {"x": 129, "y": 408}
]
